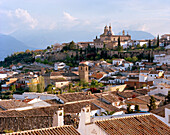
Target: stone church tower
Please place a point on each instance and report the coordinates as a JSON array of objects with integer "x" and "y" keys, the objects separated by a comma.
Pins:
[{"x": 83, "y": 72}]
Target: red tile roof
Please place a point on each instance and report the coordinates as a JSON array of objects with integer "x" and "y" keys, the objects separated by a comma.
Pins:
[
  {"x": 146, "y": 124},
  {"x": 63, "y": 130}
]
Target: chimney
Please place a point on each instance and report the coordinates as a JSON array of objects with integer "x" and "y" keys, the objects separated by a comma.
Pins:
[
  {"x": 84, "y": 119},
  {"x": 58, "y": 118}
]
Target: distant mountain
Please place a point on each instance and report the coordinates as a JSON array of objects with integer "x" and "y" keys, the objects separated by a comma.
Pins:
[
  {"x": 9, "y": 45},
  {"x": 139, "y": 35},
  {"x": 43, "y": 38}
]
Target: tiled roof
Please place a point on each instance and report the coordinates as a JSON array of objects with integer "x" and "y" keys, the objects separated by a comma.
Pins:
[
  {"x": 105, "y": 106},
  {"x": 142, "y": 91},
  {"x": 128, "y": 94},
  {"x": 63, "y": 130},
  {"x": 139, "y": 125},
  {"x": 161, "y": 110},
  {"x": 97, "y": 75},
  {"x": 44, "y": 111},
  {"x": 52, "y": 101},
  {"x": 76, "y": 107},
  {"x": 77, "y": 96},
  {"x": 146, "y": 98},
  {"x": 144, "y": 71},
  {"x": 154, "y": 72},
  {"x": 11, "y": 104},
  {"x": 136, "y": 101},
  {"x": 55, "y": 74},
  {"x": 108, "y": 96}
]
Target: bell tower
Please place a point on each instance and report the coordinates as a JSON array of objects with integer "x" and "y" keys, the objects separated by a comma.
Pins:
[
  {"x": 83, "y": 72},
  {"x": 105, "y": 30}
]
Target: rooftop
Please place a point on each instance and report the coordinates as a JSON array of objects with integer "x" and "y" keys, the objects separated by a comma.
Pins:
[
  {"x": 161, "y": 110},
  {"x": 77, "y": 96},
  {"x": 62, "y": 130},
  {"x": 11, "y": 104},
  {"x": 136, "y": 124}
]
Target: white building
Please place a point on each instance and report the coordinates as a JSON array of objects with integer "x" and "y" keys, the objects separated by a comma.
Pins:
[
  {"x": 59, "y": 65},
  {"x": 118, "y": 61},
  {"x": 162, "y": 59},
  {"x": 160, "y": 88},
  {"x": 120, "y": 124}
]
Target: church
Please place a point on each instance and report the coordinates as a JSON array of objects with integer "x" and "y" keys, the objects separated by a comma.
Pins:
[{"x": 109, "y": 39}]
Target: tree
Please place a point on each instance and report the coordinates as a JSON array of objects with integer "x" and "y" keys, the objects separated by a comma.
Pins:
[
  {"x": 119, "y": 47},
  {"x": 157, "y": 43},
  {"x": 137, "y": 108},
  {"x": 41, "y": 84},
  {"x": 118, "y": 41},
  {"x": 134, "y": 59},
  {"x": 72, "y": 45},
  {"x": 128, "y": 59},
  {"x": 12, "y": 88},
  {"x": 168, "y": 97},
  {"x": 129, "y": 108},
  {"x": 152, "y": 104},
  {"x": 70, "y": 86},
  {"x": 138, "y": 46},
  {"x": 149, "y": 44},
  {"x": 144, "y": 46},
  {"x": 32, "y": 86},
  {"x": 48, "y": 47},
  {"x": 50, "y": 88},
  {"x": 27, "y": 51}
]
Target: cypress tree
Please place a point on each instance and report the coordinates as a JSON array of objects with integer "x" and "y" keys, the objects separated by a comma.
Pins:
[
  {"x": 157, "y": 41},
  {"x": 149, "y": 44},
  {"x": 152, "y": 104},
  {"x": 41, "y": 85}
]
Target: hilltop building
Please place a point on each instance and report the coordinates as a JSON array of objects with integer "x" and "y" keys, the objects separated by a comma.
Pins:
[{"x": 109, "y": 39}]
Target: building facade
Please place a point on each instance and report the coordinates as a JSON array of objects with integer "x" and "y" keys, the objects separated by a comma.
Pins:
[{"x": 109, "y": 39}]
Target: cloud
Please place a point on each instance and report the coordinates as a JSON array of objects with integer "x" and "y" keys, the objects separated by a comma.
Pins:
[
  {"x": 12, "y": 20},
  {"x": 26, "y": 17},
  {"x": 69, "y": 17}
]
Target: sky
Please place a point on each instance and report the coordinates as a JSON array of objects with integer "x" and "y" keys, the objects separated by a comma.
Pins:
[{"x": 85, "y": 15}]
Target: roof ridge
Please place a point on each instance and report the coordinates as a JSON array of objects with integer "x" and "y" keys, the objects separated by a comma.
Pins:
[{"x": 129, "y": 116}]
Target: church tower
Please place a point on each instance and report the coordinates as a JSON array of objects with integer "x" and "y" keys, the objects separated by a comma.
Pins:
[
  {"x": 83, "y": 72},
  {"x": 105, "y": 30},
  {"x": 110, "y": 30},
  {"x": 123, "y": 32}
]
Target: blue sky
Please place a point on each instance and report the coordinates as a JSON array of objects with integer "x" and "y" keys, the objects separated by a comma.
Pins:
[{"x": 85, "y": 15}]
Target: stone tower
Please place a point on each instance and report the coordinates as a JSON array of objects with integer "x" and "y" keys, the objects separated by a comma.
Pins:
[
  {"x": 83, "y": 72},
  {"x": 105, "y": 30}
]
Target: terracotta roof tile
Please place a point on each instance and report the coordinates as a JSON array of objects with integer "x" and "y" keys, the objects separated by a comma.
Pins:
[
  {"x": 161, "y": 110},
  {"x": 77, "y": 96},
  {"x": 63, "y": 130},
  {"x": 11, "y": 104},
  {"x": 139, "y": 124}
]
